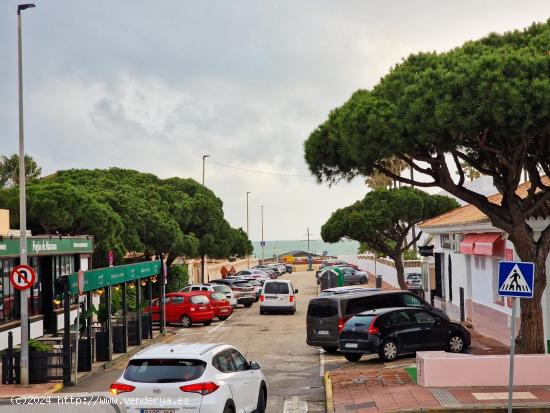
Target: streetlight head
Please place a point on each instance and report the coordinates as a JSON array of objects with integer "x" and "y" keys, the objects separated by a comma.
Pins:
[
  {"x": 24, "y": 7},
  {"x": 205, "y": 156}
]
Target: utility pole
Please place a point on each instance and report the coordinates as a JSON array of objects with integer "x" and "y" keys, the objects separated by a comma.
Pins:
[
  {"x": 308, "y": 237},
  {"x": 309, "y": 260},
  {"x": 203, "y": 255},
  {"x": 247, "y": 234},
  {"x": 263, "y": 242},
  {"x": 22, "y": 209}
]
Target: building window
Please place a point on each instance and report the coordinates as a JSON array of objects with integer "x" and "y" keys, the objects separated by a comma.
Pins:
[
  {"x": 445, "y": 241},
  {"x": 61, "y": 266},
  {"x": 35, "y": 292},
  {"x": 7, "y": 292},
  {"x": 479, "y": 262}
]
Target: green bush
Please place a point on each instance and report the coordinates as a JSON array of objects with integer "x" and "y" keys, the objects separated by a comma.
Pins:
[
  {"x": 178, "y": 278},
  {"x": 410, "y": 255},
  {"x": 35, "y": 345}
]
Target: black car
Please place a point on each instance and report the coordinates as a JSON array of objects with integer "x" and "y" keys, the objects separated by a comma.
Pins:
[
  {"x": 289, "y": 268},
  {"x": 326, "y": 315},
  {"x": 394, "y": 331}
]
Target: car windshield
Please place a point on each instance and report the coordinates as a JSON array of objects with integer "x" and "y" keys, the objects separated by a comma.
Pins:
[
  {"x": 242, "y": 284},
  {"x": 164, "y": 370},
  {"x": 322, "y": 309},
  {"x": 217, "y": 297},
  {"x": 199, "y": 299},
  {"x": 359, "y": 321},
  {"x": 222, "y": 288},
  {"x": 276, "y": 288}
]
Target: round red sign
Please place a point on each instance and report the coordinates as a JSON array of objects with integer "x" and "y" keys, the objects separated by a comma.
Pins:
[{"x": 22, "y": 277}]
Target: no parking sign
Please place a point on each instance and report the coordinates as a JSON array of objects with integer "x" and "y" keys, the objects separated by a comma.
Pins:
[{"x": 22, "y": 277}]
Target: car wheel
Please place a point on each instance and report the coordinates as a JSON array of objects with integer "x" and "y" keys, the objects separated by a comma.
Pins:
[
  {"x": 185, "y": 321},
  {"x": 248, "y": 305},
  {"x": 223, "y": 318},
  {"x": 228, "y": 407},
  {"x": 353, "y": 357},
  {"x": 260, "y": 407},
  {"x": 331, "y": 349},
  {"x": 293, "y": 311},
  {"x": 456, "y": 343},
  {"x": 363, "y": 280},
  {"x": 388, "y": 350},
  {"x": 207, "y": 323}
]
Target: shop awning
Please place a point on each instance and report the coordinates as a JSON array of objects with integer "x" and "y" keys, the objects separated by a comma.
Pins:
[
  {"x": 467, "y": 244},
  {"x": 485, "y": 244}
]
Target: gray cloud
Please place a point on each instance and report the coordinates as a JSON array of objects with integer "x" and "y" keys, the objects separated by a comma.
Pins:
[{"x": 154, "y": 85}]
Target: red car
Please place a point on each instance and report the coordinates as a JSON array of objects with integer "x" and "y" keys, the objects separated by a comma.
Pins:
[
  {"x": 186, "y": 309},
  {"x": 220, "y": 304}
]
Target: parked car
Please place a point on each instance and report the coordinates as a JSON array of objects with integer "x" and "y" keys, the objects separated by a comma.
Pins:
[
  {"x": 244, "y": 292},
  {"x": 326, "y": 315},
  {"x": 211, "y": 378},
  {"x": 253, "y": 273},
  {"x": 221, "y": 306},
  {"x": 266, "y": 268},
  {"x": 391, "y": 332},
  {"x": 185, "y": 308},
  {"x": 335, "y": 263},
  {"x": 289, "y": 268},
  {"x": 278, "y": 295},
  {"x": 256, "y": 283},
  {"x": 348, "y": 289},
  {"x": 353, "y": 276},
  {"x": 228, "y": 292}
]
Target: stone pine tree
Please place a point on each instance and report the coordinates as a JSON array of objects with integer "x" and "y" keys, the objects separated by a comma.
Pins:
[
  {"x": 382, "y": 220},
  {"x": 486, "y": 103}
]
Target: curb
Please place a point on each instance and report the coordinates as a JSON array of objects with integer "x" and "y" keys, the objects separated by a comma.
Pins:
[{"x": 327, "y": 381}]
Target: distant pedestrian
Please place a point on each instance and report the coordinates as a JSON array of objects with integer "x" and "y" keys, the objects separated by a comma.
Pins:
[
  {"x": 232, "y": 271},
  {"x": 224, "y": 271}
]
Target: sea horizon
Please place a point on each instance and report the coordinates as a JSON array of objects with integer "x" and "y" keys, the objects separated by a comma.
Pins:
[{"x": 316, "y": 246}]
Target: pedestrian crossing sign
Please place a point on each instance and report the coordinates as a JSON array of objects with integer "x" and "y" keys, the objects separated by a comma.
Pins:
[{"x": 516, "y": 279}]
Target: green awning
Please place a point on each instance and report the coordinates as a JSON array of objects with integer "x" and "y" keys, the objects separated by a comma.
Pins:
[{"x": 102, "y": 277}]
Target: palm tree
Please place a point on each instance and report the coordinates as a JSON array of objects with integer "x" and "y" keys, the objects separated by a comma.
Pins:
[{"x": 9, "y": 170}]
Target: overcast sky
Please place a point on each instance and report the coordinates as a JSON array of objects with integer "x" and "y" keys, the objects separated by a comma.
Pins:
[{"x": 154, "y": 85}]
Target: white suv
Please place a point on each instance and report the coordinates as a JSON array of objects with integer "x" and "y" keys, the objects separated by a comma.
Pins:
[
  {"x": 192, "y": 378},
  {"x": 224, "y": 289},
  {"x": 278, "y": 295}
]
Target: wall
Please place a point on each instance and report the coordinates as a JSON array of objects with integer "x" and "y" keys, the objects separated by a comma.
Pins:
[
  {"x": 383, "y": 266},
  {"x": 4, "y": 221},
  {"x": 213, "y": 269},
  {"x": 36, "y": 327}
]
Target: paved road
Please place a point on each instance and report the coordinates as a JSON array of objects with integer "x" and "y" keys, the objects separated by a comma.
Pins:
[{"x": 277, "y": 342}]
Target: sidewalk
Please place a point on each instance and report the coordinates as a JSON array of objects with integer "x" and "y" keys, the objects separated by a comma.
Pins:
[{"x": 9, "y": 390}]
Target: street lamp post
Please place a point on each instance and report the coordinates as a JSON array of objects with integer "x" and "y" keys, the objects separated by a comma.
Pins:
[
  {"x": 202, "y": 256},
  {"x": 203, "y": 161},
  {"x": 22, "y": 208},
  {"x": 263, "y": 242},
  {"x": 247, "y": 233}
]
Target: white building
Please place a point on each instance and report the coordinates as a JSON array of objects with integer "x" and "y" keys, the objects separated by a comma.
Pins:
[{"x": 463, "y": 273}]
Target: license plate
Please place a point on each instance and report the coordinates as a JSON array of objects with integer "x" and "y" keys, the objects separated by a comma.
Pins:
[
  {"x": 200, "y": 308},
  {"x": 224, "y": 311},
  {"x": 157, "y": 410},
  {"x": 352, "y": 345},
  {"x": 322, "y": 332}
]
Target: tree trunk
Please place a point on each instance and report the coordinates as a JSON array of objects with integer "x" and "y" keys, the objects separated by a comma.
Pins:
[
  {"x": 530, "y": 338},
  {"x": 400, "y": 270},
  {"x": 170, "y": 260}
]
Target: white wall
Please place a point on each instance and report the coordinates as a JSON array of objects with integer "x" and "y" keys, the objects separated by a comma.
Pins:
[
  {"x": 389, "y": 274},
  {"x": 37, "y": 330},
  {"x": 60, "y": 319}
]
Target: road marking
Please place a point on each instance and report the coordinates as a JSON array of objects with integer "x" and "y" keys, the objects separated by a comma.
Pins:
[
  {"x": 218, "y": 326},
  {"x": 295, "y": 405},
  {"x": 321, "y": 363}
]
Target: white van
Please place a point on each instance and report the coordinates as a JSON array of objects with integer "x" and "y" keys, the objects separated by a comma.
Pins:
[{"x": 278, "y": 295}]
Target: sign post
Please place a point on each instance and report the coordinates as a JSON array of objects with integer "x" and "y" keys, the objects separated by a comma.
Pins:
[{"x": 516, "y": 280}]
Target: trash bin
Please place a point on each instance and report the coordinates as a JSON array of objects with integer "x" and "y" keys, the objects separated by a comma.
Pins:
[{"x": 379, "y": 281}]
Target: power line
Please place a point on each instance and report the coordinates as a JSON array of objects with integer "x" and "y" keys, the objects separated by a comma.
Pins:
[{"x": 255, "y": 171}]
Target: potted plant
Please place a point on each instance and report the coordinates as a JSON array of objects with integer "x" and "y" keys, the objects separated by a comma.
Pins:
[
  {"x": 101, "y": 337},
  {"x": 38, "y": 361}
]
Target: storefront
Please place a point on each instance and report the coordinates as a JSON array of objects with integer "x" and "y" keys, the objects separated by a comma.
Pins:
[{"x": 51, "y": 257}]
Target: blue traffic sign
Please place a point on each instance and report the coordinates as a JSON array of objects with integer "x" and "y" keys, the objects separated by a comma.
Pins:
[{"x": 516, "y": 279}]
